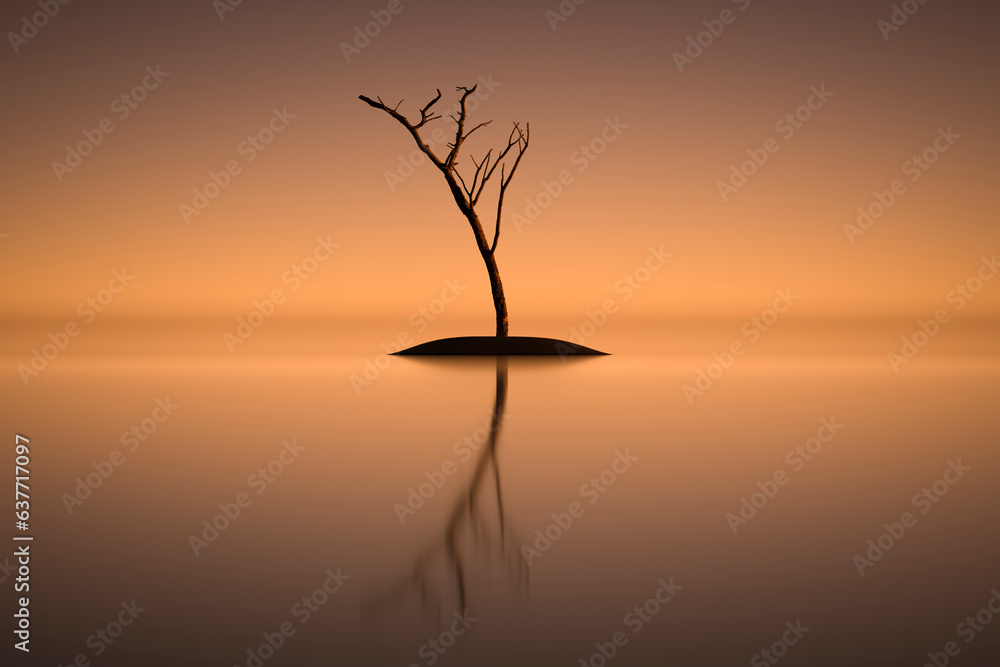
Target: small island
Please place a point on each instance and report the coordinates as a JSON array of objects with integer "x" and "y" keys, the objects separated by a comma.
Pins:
[{"x": 499, "y": 345}]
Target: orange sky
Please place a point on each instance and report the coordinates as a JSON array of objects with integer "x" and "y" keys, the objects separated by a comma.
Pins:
[{"x": 324, "y": 175}]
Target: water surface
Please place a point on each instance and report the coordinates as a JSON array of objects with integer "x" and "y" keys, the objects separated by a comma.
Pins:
[{"x": 652, "y": 476}]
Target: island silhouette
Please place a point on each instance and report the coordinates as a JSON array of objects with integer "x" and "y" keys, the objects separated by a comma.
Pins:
[{"x": 467, "y": 197}]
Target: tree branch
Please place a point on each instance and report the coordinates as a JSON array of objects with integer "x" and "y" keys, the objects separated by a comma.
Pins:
[
  {"x": 510, "y": 144},
  {"x": 479, "y": 167},
  {"x": 504, "y": 182},
  {"x": 424, "y": 117},
  {"x": 466, "y": 196},
  {"x": 460, "y": 121},
  {"x": 413, "y": 129}
]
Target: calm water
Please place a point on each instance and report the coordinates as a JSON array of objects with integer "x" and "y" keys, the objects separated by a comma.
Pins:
[{"x": 400, "y": 501}]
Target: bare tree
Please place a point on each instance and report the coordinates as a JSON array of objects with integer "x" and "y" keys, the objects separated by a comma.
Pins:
[{"x": 467, "y": 196}]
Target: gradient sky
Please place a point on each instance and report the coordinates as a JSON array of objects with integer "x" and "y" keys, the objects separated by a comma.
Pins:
[{"x": 655, "y": 185}]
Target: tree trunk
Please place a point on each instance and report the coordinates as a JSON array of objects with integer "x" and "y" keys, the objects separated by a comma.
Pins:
[{"x": 499, "y": 301}]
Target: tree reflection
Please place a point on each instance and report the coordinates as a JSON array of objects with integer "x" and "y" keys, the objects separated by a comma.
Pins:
[{"x": 470, "y": 533}]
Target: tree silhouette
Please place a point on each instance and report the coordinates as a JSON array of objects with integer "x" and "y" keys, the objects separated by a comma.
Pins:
[{"x": 467, "y": 196}]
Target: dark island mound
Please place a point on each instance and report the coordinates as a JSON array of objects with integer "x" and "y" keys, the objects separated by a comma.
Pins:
[{"x": 494, "y": 345}]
